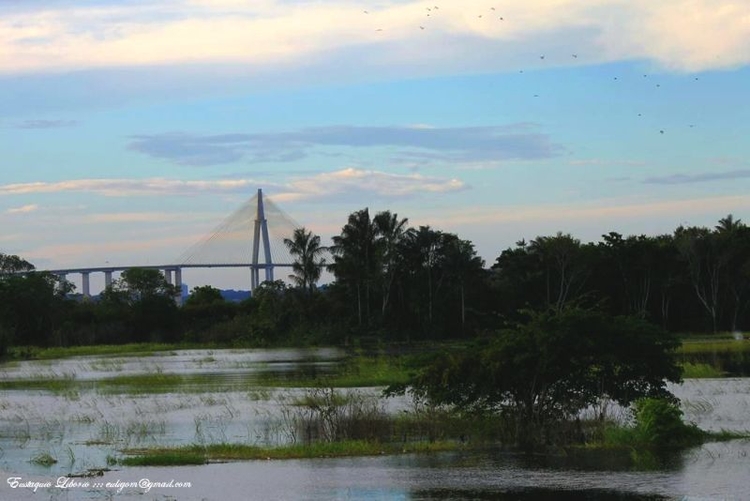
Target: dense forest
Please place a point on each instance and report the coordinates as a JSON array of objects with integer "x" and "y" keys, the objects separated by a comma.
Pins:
[{"x": 397, "y": 283}]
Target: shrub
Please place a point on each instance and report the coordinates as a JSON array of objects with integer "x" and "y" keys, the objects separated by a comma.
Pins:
[{"x": 659, "y": 424}]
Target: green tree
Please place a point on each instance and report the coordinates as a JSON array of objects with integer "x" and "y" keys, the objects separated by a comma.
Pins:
[
  {"x": 706, "y": 260},
  {"x": 564, "y": 265},
  {"x": 354, "y": 259},
  {"x": 551, "y": 367},
  {"x": 10, "y": 263},
  {"x": 147, "y": 301},
  {"x": 463, "y": 267},
  {"x": 390, "y": 233},
  {"x": 140, "y": 283},
  {"x": 31, "y": 307},
  {"x": 204, "y": 295},
  {"x": 309, "y": 262},
  {"x": 733, "y": 240}
]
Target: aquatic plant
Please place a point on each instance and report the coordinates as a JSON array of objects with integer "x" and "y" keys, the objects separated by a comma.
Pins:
[{"x": 43, "y": 458}]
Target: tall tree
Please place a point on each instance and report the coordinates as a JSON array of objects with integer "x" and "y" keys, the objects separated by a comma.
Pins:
[
  {"x": 354, "y": 259},
  {"x": 463, "y": 265},
  {"x": 733, "y": 240},
  {"x": 309, "y": 262},
  {"x": 564, "y": 268},
  {"x": 390, "y": 233},
  {"x": 705, "y": 259}
]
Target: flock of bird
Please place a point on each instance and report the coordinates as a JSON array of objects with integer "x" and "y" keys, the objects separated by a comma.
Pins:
[{"x": 493, "y": 11}]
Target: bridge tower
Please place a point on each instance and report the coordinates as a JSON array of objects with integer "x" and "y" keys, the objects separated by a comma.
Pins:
[{"x": 260, "y": 232}]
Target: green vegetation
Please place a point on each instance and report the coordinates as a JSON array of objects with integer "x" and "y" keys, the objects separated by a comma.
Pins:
[
  {"x": 57, "y": 352},
  {"x": 357, "y": 371},
  {"x": 700, "y": 370},
  {"x": 714, "y": 346},
  {"x": 509, "y": 354},
  {"x": 44, "y": 458},
  {"x": 400, "y": 284},
  {"x": 659, "y": 425},
  {"x": 552, "y": 367},
  {"x": 198, "y": 454}
]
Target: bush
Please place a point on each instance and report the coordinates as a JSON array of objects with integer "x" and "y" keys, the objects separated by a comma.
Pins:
[{"x": 659, "y": 424}]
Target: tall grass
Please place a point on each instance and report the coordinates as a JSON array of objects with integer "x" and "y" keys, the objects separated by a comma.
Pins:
[{"x": 700, "y": 370}]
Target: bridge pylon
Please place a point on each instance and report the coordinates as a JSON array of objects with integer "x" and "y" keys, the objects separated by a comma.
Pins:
[{"x": 260, "y": 235}]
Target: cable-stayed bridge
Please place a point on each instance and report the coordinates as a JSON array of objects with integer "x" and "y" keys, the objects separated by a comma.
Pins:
[{"x": 251, "y": 237}]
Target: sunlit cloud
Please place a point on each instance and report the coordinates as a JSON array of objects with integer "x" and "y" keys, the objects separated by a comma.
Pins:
[
  {"x": 415, "y": 144},
  {"x": 355, "y": 184},
  {"x": 685, "y": 35},
  {"x": 23, "y": 209},
  {"x": 349, "y": 182}
]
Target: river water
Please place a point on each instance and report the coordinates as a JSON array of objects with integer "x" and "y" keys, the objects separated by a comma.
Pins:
[{"x": 80, "y": 426}]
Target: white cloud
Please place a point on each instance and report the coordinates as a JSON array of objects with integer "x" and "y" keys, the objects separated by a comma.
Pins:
[{"x": 686, "y": 35}]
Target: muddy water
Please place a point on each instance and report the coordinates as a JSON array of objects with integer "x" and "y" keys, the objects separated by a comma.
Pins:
[{"x": 80, "y": 427}]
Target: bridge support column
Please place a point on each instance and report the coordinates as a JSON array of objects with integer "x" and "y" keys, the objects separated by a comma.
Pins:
[
  {"x": 254, "y": 278},
  {"x": 178, "y": 284},
  {"x": 107, "y": 279},
  {"x": 85, "y": 284},
  {"x": 168, "y": 275}
]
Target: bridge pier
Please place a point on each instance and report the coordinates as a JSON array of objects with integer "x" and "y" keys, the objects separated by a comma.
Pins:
[
  {"x": 178, "y": 284},
  {"x": 85, "y": 284},
  {"x": 168, "y": 275},
  {"x": 107, "y": 279}
]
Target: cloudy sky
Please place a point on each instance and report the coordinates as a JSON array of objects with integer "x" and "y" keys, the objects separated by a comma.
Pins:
[{"x": 131, "y": 128}]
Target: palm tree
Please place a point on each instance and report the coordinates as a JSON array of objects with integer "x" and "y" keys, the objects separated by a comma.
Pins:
[
  {"x": 390, "y": 233},
  {"x": 462, "y": 264},
  {"x": 354, "y": 257},
  {"x": 729, "y": 225},
  {"x": 308, "y": 262}
]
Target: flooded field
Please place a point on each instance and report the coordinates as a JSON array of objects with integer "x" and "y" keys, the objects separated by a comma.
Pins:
[{"x": 66, "y": 418}]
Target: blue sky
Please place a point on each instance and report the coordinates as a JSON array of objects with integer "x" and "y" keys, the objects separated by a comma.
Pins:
[{"x": 130, "y": 129}]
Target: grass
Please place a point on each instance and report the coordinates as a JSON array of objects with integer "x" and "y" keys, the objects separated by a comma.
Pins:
[
  {"x": 35, "y": 353},
  {"x": 199, "y": 454},
  {"x": 700, "y": 370},
  {"x": 695, "y": 346},
  {"x": 357, "y": 372}
]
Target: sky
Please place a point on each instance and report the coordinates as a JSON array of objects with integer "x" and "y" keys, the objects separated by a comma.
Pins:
[{"x": 131, "y": 129}]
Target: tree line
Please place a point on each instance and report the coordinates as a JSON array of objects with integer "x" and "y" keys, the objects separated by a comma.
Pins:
[{"x": 400, "y": 283}]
